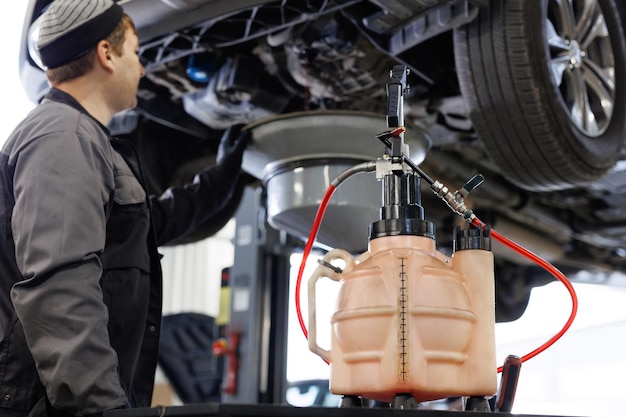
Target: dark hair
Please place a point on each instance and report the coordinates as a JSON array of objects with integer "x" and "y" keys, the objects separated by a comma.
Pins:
[{"x": 82, "y": 65}]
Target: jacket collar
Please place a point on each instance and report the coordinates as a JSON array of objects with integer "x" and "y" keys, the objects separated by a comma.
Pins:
[{"x": 54, "y": 94}]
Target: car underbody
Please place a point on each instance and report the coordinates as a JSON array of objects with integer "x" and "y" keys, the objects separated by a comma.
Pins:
[{"x": 524, "y": 94}]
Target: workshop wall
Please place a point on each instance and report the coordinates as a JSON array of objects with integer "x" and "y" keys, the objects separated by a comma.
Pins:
[{"x": 192, "y": 273}]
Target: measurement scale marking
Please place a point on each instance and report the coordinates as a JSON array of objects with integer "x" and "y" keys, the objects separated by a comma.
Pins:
[{"x": 403, "y": 354}]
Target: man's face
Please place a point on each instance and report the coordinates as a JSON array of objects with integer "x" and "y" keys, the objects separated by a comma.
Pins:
[{"x": 130, "y": 70}]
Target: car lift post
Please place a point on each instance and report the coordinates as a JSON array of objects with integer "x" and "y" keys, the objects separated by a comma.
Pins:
[{"x": 259, "y": 281}]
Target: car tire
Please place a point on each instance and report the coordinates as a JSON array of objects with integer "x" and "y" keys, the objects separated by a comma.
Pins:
[{"x": 523, "y": 97}]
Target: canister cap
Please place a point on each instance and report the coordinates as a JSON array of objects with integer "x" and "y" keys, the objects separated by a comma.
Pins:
[
  {"x": 408, "y": 226},
  {"x": 472, "y": 238}
]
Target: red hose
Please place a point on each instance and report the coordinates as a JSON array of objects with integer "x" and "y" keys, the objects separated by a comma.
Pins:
[
  {"x": 476, "y": 222},
  {"x": 552, "y": 270},
  {"x": 307, "y": 249}
]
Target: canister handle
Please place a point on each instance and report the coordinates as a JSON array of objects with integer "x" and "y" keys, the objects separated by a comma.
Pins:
[{"x": 323, "y": 270}]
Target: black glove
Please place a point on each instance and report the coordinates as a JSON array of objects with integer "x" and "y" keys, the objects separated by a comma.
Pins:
[{"x": 230, "y": 150}]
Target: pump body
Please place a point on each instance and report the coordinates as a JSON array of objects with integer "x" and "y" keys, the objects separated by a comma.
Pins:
[{"x": 410, "y": 321}]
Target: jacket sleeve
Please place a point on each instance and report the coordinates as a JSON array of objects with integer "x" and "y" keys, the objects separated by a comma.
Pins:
[
  {"x": 59, "y": 225},
  {"x": 180, "y": 210}
]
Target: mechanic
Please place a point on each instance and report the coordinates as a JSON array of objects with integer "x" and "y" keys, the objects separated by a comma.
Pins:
[{"x": 80, "y": 296}]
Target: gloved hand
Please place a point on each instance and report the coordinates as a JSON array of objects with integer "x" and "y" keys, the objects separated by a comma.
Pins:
[{"x": 232, "y": 145}]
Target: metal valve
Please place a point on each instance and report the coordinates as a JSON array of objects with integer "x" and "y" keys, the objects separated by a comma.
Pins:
[{"x": 456, "y": 200}]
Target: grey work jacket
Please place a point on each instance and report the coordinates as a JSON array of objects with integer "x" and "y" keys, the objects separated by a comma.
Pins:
[{"x": 80, "y": 279}]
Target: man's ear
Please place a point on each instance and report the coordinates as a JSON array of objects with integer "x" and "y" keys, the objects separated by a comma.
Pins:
[{"x": 104, "y": 54}]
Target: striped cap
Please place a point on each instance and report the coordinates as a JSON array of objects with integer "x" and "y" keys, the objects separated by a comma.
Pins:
[{"x": 71, "y": 28}]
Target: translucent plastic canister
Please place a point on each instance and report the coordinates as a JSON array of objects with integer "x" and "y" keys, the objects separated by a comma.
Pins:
[{"x": 409, "y": 320}]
